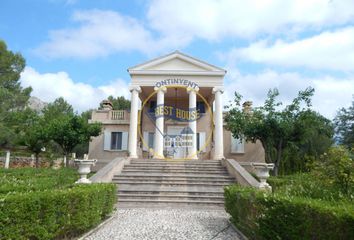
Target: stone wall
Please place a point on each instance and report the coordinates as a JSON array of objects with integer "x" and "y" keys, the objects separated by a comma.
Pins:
[{"x": 23, "y": 161}]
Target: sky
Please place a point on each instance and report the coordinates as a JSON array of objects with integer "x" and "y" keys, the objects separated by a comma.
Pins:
[{"x": 81, "y": 49}]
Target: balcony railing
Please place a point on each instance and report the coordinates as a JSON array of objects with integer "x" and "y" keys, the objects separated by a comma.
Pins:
[{"x": 117, "y": 114}]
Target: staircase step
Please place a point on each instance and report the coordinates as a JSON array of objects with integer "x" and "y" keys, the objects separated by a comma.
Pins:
[
  {"x": 171, "y": 180},
  {"x": 171, "y": 183},
  {"x": 198, "y": 176},
  {"x": 174, "y": 161},
  {"x": 168, "y": 197},
  {"x": 171, "y": 201},
  {"x": 174, "y": 171},
  {"x": 197, "y": 168},
  {"x": 159, "y": 179},
  {"x": 172, "y": 190},
  {"x": 173, "y": 164},
  {"x": 167, "y": 183}
]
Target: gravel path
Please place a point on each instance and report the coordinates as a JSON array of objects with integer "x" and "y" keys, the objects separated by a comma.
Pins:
[{"x": 143, "y": 223}]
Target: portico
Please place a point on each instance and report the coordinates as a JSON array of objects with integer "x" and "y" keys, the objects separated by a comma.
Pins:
[
  {"x": 176, "y": 92},
  {"x": 176, "y": 112}
]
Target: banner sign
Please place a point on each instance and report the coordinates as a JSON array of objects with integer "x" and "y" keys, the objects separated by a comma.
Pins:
[
  {"x": 170, "y": 112},
  {"x": 176, "y": 81}
]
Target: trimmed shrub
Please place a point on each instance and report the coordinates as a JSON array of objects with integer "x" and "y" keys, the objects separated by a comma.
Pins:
[
  {"x": 45, "y": 204},
  {"x": 261, "y": 215},
  {"x": 58, "y": 213}
]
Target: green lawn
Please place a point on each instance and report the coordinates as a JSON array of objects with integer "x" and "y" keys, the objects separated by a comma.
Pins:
[
  {"x": 32, "y": 179},
  {"x": 308, "y": 185}
]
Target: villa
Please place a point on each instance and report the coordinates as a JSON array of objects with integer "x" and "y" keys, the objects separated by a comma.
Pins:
[{"x": 176, "y": 113}]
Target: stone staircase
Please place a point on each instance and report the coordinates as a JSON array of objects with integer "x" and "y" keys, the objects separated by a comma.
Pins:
[{"x": 144, "y": 183}]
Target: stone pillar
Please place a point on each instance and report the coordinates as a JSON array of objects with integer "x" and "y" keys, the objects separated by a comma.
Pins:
[
  {"x": 218, "y": 119},
  {"x": 159, "y": 125},
  {"x": 33, "y": 160},
  {"x": 7, "y": 159},
  {"x": 193, "y": 123},
  {"x": 133, "y": 127}
]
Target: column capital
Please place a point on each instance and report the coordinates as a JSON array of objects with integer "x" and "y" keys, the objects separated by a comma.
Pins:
[
  {"x": 162, "y": 89},
  {"x": 135, "y": 88},
  {"x": 218, "y": 89},
  {"x": 190, "y": 89}
]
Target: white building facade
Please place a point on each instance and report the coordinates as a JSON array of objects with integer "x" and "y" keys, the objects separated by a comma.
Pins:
[{"x": 176, "y": 113}]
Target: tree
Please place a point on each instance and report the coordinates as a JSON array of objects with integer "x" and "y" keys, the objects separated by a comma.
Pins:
[
  {"x": 337, "y": 167},
  {"x": 83, "y": 148},
  {"x": 119, "y": 103},
  {"x": 87, "y": 115},
  {"x": 313, "y": 137},
  {"x": 32, "y": 132},
  {"x": 344, "y": 126},
  {"x": 66, "y": 128},
  {"x": 13, "y": 97},
  {"x": 275, "y": 128},
  {"x": 57, "y": 109},
  {"x": 69, "y": 131}
]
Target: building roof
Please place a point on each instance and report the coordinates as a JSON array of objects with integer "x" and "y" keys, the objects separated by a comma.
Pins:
[{"x": 176, "y": 63}]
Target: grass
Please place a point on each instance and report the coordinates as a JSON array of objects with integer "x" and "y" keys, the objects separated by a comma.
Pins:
[
  {"x": 310, "y": 186},
  {"x": 32, "y": 179}
]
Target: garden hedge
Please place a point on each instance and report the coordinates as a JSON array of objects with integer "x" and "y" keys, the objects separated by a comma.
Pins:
[
  {"x": 55, "y": 213},
  {"x": 261, "y": 215}
]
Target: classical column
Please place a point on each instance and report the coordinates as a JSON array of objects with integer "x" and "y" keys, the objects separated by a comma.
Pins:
[
  {"x": 218, "y": 119},
  {"x": 159, "y": 131},
  {"x": 193, "y": 123},
  {"x": 133, "y": 127}
]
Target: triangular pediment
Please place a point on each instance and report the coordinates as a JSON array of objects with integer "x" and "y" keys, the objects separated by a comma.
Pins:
[{"x": 175, "y": 62}]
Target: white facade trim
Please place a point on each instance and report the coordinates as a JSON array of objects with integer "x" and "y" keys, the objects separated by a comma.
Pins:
[
  {"x": 177, "y": 72},
  {"x": 107, "y": 140},
  {"x": 176, "y": 54}
]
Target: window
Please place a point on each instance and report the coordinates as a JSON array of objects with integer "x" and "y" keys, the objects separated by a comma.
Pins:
[
  {"x": 201, "y": 141},
  {"x": 152, "y": 106},
  {"x": 151, "y": 139},
  {"x": 201, "y": 107},
  {"x": 116, "y": 140},
  {"x": 148, "y": 140},
  {"x": 237, "y": 145},
  {"x": 168, "y": 142},
  {"x": 198, "y": 141}
]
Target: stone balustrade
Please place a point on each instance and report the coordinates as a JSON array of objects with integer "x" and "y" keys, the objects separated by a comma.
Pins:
[{"x": 117, "y": 114}]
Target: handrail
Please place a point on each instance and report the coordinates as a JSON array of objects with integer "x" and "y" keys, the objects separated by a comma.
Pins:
[
  {"x": 105, "y": 174},
  {"x": 241, "y": 175}
]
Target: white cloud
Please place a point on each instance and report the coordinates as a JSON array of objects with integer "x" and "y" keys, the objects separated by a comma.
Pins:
[
  {"x": 99, "y": 33},
  {"x": 330, "y": 93},
  {"x": 327, "y": 51},
  {"x": 49, "y": 86},
  {"x": 174, "y": 24},
  {"x": 215, "y": 19}
]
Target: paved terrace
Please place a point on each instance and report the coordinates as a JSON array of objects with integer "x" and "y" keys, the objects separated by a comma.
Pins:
[{"x": 149, "y": 223}]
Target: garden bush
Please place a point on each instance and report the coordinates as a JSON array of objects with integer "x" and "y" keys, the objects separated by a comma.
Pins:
[
  {"x": 46, "y": 204},
  {"x": 262, "y": 215}
]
